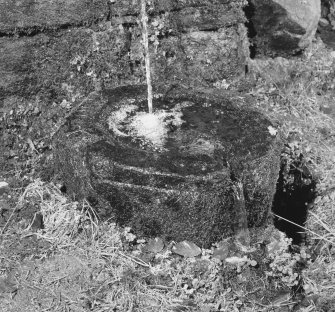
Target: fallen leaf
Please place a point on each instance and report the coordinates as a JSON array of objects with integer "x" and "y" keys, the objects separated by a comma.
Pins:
[
  {"x": 186, "y": 249},
  {"x": 7, "y": 286},
  {"x": 155, "y": 245}
]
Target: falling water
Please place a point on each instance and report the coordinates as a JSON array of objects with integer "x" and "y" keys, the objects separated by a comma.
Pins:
[
  {"x": 241, "y": 228},
  {"x": 146, "y": 52}
]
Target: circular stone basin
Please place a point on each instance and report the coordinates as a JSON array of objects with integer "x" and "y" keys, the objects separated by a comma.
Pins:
[
  {"x": 184, "y": 135},
  {"x": 173, "y": 173}
]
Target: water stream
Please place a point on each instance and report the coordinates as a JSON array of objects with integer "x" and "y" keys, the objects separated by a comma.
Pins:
[
  {"x": 241, "y": 227},
  {"x": 144, "y": 19}
]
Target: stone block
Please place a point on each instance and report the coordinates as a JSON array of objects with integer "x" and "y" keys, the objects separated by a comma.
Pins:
[
  {"x": 29, "y": 15},
  {"x": 39, "y": 65},
  {"x": 184, "y": 187},
  {"x": 285, "y": 26},
  {"x": 132, "y": 7}
]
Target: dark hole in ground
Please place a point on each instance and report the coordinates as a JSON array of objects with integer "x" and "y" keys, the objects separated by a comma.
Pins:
[
  {"x": 295, "y": 192},
  {"x": 249, "y": 11},
  {"x": 63, "y": 189}
]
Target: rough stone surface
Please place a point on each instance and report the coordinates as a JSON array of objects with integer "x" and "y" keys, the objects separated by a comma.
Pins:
[
  {"x": 42, "y": 64},
  {"x": 185, "y": 191},
  {"x": 132, "y": 7},
  {"x": 183, "y": 45},
  {"x": 326, "y": 29},
  {"x": 328, "y": 12},
  {"x": 29, "y": 15},
  {"x": 52, "y": 64},
  {"x": 285, "y": 26}
]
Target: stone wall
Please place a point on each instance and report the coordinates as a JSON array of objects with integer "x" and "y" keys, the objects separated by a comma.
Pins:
[
  {"x": 53, "y": 53},
  {"x": 83, "y": 45},
  {"x": 284, "y": 27},
  {"x": 56, "y": 53},
  {"x": 28, "y": 15}
]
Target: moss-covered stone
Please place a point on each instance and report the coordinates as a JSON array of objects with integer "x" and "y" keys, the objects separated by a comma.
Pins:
[
  {"x": 187, "y": 189},
  {"x": 201, "y": 44},
  {"x": 132, "y": 7},
  {"x": 29, "y": 15},
  {"x": 43, "y": 64}
]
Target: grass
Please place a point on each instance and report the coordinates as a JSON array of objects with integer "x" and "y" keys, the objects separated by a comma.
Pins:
[
  {"x": 79, "y": 263},
  {"x": 298, "y": 103},
  {"x": 88, "y": 265}
]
